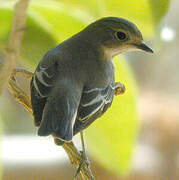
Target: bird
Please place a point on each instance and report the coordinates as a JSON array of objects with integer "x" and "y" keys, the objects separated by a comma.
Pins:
[{"x": 74, "y": 83}]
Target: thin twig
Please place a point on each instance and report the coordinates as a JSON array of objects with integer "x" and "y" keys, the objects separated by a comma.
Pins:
[
  {"x": 76, "y": 158},
  {"x": 20, "y": 95},
  {"x": 16, "y": 35}
]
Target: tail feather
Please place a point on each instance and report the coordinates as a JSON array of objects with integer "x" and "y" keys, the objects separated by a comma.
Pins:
[
  {"x": 63, "y": 133},
  {"x": 59, "y": 115},
  {"x": 54, "y": 122}
]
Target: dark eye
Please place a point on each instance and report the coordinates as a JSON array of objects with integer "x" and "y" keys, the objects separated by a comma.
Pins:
[{"x": 121, "y": 35}]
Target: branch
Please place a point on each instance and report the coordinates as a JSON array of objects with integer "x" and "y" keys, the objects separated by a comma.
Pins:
[
  {"x": 75, "y": 158},
  {"x": 16, "y": 35},
  {"x": 22, "y": 97}
]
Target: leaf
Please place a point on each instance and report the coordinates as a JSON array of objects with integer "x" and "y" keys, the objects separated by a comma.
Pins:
[{"x": 111, "y": 139}]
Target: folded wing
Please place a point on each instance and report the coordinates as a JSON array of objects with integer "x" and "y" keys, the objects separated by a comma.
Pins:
[
  {"x": 94, "y": 102},
  {"x": 55, "y": 98}
]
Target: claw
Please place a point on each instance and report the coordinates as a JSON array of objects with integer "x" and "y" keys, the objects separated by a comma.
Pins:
[
  {"x": 119, "y": 88},
  {"x": 83, "y": 161}
]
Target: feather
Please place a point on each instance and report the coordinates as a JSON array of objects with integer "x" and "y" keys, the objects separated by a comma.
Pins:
[{"x": 94, "y": 102}]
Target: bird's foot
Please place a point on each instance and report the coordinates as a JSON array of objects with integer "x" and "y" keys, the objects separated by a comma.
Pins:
[
  {"x": 84, "y": 161},
  {"x": 58, "y": 142},
  {"x": 119, "y": 88}
]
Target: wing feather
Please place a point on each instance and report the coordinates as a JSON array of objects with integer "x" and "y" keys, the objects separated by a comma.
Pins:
[
  {"x": 41, "y": 85},
  {"x": 55, "y": 98},
  {"x": 94, "y": 100}
]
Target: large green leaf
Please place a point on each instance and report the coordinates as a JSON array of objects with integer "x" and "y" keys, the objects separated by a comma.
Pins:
[{"x": 111, "y": 138}]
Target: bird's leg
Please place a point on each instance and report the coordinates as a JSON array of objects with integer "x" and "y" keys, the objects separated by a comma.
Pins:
[
  {"x": 84, "y": 158},
  {"x": 58, "y": 142},
  {"x": 119, "y": 88}
]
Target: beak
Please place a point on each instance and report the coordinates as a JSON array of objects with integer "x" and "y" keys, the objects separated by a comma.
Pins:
[{"x": 144, "y": 47}]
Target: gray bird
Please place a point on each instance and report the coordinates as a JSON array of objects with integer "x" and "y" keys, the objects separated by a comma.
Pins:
[{"x": 74, "y": 82}]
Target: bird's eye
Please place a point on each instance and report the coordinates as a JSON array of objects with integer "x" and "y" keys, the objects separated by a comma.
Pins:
[{"x": 121, "y": 35}]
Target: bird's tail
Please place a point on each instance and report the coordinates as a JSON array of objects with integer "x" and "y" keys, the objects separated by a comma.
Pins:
[
  {"x": 54, "y": 122},
  {"x": 59, "y": 113}
]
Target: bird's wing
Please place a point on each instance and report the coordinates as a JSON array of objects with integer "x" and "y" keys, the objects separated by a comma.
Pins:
[
  {"x": 94, "y": 100},
  {"x": 55, "y": 99},
  {"x": 94, "y": 103},
  {"x": 41, "y": 85},
  {"x": 60, "y": 110}
]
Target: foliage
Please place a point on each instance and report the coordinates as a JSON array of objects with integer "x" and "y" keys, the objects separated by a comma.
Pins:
[{"x": 111, "y": 138}]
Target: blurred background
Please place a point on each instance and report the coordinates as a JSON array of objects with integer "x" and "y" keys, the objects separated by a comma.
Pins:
[{"x": 138, "y": 138}]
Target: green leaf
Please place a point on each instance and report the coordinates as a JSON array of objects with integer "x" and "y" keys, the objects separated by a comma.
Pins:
[{"x": 111, "y": 138}]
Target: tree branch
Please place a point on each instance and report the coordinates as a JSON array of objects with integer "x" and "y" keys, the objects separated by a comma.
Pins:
[
  {"x": 21, "y": 96},
  {"x": 16, "y": 35}
]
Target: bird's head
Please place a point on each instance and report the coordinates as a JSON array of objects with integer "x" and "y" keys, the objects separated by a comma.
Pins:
[{"x": 116, "y": 35}]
